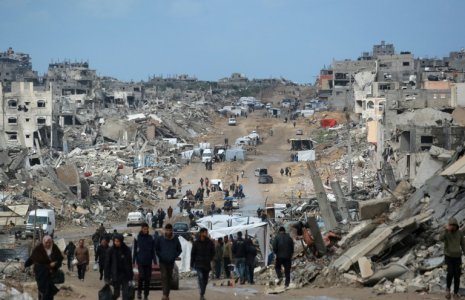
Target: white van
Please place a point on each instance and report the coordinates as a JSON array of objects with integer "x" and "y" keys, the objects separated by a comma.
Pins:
[
  {"x": 45, "y": 220},
  {"x": 207, "y": 155},
  {"x": 268, "y": 106}
]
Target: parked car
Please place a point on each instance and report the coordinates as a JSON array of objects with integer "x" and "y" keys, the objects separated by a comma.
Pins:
[
  {"x": 299, "y": 132},
  {"x": 265, "y": 178},
  {"x": 232, "y": 121},
  {"x": 172, "y": 193},
  {"x": 260, "y": 171},
  {"x": 135, "y": 218},
  {"x": 155, "y": 279},
  {"x": 181, "y": 229}
]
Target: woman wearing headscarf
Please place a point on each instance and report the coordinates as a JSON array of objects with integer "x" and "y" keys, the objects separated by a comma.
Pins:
[{"x": 47, "y": 259}]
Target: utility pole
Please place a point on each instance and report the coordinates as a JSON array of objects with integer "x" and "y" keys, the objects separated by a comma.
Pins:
[{"x": 349, "y": 153}]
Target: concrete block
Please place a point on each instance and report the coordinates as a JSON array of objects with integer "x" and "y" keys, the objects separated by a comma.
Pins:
[
  {"x": 444, "y": 156},
  {"x": 68, "y": 174},
  {"x": 365, "y": 267},
  {"x": 81, "y": 210},
  {"x": 371, "y": 208}
]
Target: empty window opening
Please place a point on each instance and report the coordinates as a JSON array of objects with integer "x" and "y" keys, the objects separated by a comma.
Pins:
[
  {"x": 34, "y": 161},
  {"x": 28, "y": 136},
  {"x": 12, "y": 120},
  {"x": 27, "y": 103},
  {"x": 41, "y": 103},
  {"x": 41, "y": 121},
  {"x": 370, "y": 104},
  {"x": 406, "y": 63},
  {"x": 12, "y": 135},
  {"x": 426, "y": 139},
  {"x": 28, "y": 119},
  {"x": 12, "y": 103},
  {"x": 405, "y": 141}
]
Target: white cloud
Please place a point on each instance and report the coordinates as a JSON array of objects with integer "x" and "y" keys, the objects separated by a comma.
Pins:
[{"x": 185, "y": 8}]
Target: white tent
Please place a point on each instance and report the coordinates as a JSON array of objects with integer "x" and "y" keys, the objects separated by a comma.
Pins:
[
  {"x": 306, "y": 155},
  {"x": 185, "y": 255},
  {"x": 258, "y": 230}
]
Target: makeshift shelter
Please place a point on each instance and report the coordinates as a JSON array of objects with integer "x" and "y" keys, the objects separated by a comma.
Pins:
[
  {"x": 243, "y": 141},
  {"x": 240, "y": 154},
  {"x": 328, "y": 123},
  {"x": 301, "y": 144},
  {"x": 258, "y": 230},
  {"x": 306, "y": 155}
]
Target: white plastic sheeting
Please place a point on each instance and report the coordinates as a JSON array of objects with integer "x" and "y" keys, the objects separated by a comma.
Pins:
[
  {"x": 187, "y": 154},
  {"x": 259, "y": 230},
  {"x": 185, "y": 255},
  {"x": 306, "y": 155},
  {"x": 220, "y": 221}
]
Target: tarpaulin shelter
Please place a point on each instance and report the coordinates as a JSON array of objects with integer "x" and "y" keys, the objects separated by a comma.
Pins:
[
  {"x": 240, "y": 154},
  {"x": 328, "y": 123},
  {"x": 306, "y": 155},
  {"x": 258, "y": 230}
]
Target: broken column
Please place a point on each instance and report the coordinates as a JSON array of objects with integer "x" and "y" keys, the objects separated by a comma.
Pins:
[
  {"x": 341, "y": 203},
  {"x": 325, "y": 208}
]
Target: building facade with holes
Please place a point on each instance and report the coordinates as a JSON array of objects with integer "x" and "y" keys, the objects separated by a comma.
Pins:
[{"x": 23, "y": 112}]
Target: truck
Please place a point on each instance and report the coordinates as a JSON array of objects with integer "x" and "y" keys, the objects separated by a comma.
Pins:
[
  {"x": 207, "y": 155},
  {"x": 45, "y": 220}
]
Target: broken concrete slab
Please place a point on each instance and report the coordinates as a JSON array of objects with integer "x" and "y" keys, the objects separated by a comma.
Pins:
[
  {"x": 68, "y": 174},
  {"x": 445, "y": 156},
  {"x": 344, "y": 262},
  {"x": 390, "y": 272},
  {"x": 428, "y": 167},
  {"x": 365, "y": 267},
  {"x": 371, "y": 208}
]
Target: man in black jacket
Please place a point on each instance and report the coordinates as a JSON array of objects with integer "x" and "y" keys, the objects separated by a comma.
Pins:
[
  {"x": 203, "y": 252},
  {"x": 69, "y": 251},
  {"x": 283, "y": 247},
  {"x": 100, "y": 255},
  {"x": 96, "y": 239},
  {"x": 250, "y": 259},
  {"x": 118, "y": 267},
  {"x": 144, "y": 255},
  {"x": 239, "y": 250},
  {"x": 168, "y": 248}
]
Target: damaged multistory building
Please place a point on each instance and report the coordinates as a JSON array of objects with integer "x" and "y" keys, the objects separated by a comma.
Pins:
[{"x": 16, "y": 66}]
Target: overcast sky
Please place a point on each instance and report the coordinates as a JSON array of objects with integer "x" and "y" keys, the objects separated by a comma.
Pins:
[{"x": 130, "y": 39}]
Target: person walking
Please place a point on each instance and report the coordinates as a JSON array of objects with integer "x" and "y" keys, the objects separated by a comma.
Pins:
[
  {"x": 100, "y": 255},
  {"x": 161, "y": 218},
  {"x": 168, "y": 248},
  {"x": 69, "y": 252},
  {"x": 226, "y": 140},
  {"x": 170, "y": 212},
  {"x": 290, "y": 172},
  {"x": 201, "y": 181},
  {"x": 96, "y": 239},
  {"x": 282, "y": 172},
  {"x": 47, "y": 259},
  {"x": 82, "y": 255},
  {"x": 250, "y": 260},
  {"x": 283, "y": 247},
  {"x": 202, "y": 254},
  {"x": 173, "y": 181},
  {"x": 237, "y": 177},
  {"x": 299, "y": 194},
  {"x": 179, "y": 182},
  {"x": 239, "y": 250},
  {"x": 242, "y": 173},
  {"x": 155, "y": 220},
  {"x": 287, "y": 171},
  {"x": 294, "y": 124},
  {"x": 101, "y": 229},
  {"x": 118, "y": 267},
  {"x": 227, "y": 257},
  {"x": 218, "y": 257},
  {"x": 104, "y": 235},
  {"x": 208, "y": 192},
  {"x": 454, "y": 246},
  {"x": 144, "y": 256},
  {"x": 206, "y": 182}
]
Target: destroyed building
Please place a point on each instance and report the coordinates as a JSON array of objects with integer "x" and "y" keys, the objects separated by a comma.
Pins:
[
  {"x": 16, "y": 66},
  {"x": 25, "y": 112}
]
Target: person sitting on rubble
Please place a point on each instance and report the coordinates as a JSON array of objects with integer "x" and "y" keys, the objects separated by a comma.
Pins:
[{"x": 454, "y": 246}]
